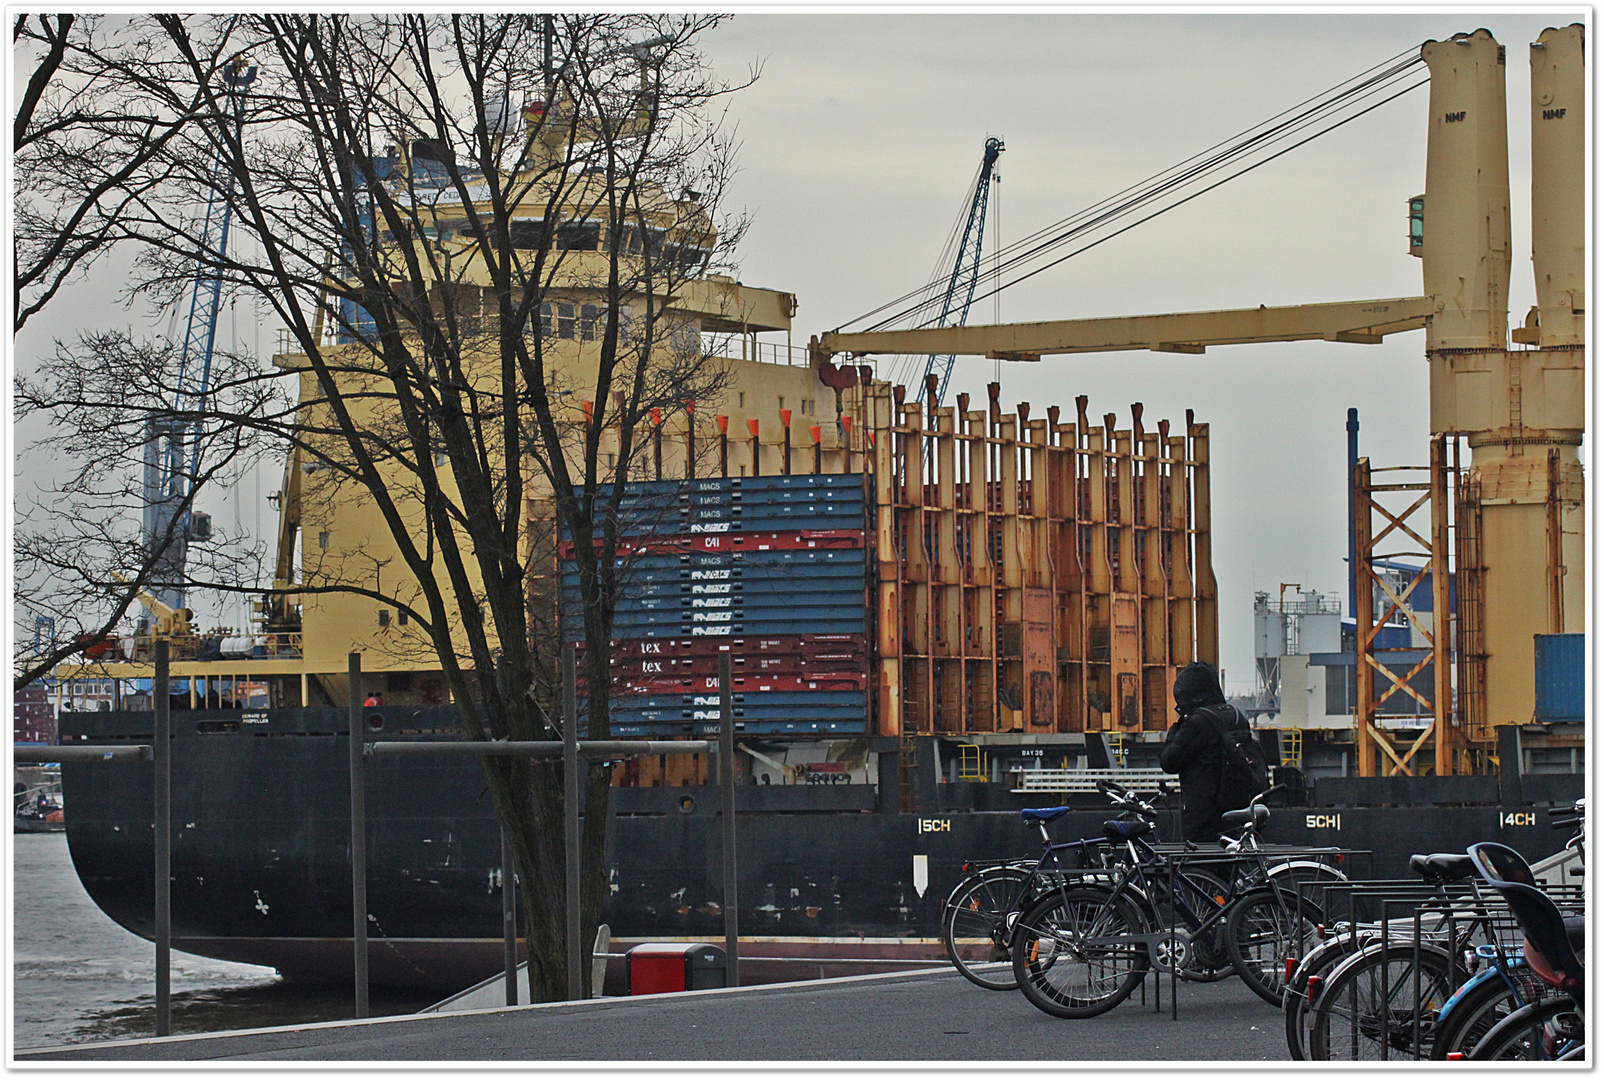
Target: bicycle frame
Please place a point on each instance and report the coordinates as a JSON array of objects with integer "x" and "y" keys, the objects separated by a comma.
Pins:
[{"x": 1133, "y": 878}]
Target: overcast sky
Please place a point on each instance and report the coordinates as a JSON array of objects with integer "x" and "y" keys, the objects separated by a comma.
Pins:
[{"x": 864, "y": 131}]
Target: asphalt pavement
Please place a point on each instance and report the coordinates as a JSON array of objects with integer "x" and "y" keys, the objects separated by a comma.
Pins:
[{"x": 918, "y": 1016}]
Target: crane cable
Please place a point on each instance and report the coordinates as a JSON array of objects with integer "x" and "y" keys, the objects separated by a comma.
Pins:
[
  {"x": 1195, "y": 194},
  {"x": 1321, "y": 109},
  {"x": 904, "y": 368},
  {"x": 1165, "y": 182}
]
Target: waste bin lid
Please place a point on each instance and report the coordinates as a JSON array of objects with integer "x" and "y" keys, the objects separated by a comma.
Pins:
[
  {"x": 667, "y": 948},
  {"x": 707, "y": 956}
]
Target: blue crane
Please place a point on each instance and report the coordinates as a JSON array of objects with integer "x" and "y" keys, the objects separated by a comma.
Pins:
[
  {"x": 168, "y": 478},
  {"x": 966, "y": 273}
]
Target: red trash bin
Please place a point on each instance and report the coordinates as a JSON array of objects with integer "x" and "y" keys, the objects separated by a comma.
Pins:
[{"x": 663, "y": 967}]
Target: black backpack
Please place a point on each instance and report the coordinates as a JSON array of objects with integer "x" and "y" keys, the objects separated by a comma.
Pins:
[{"x": 1244, "y": 772}]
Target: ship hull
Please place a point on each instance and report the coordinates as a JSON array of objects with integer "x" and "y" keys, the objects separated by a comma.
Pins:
[{"x": 261, "y": 871}]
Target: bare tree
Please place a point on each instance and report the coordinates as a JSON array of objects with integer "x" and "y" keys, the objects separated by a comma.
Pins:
[
  {"x": 476, "y": 254},
  {"x": 84, "y": 148},
  {"x": 82, "y": 558}
]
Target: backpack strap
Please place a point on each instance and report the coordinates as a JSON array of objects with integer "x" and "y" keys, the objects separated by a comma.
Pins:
[{"x": 1216, "y": 721}]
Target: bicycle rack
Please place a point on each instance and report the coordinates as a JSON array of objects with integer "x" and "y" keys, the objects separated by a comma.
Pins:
[{"x": 1457, "y": 918}]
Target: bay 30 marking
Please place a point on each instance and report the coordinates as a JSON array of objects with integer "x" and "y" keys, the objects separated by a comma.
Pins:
[
  {"x": 1517, "y": 819},
  {"x": 935, "y": 825},
  {"x": 1322, "y": 821}
]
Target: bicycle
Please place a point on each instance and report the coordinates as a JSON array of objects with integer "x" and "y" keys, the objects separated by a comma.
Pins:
[
  {"x": 979, "y": 912},
  {"x": 977, "y": 917},
  {"x": 1081, "y": 949},
  {"x": 1372, "y": 991}
]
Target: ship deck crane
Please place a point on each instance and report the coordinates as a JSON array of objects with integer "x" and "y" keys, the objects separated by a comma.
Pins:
[
  {"x": 1355, "y": 321},
  {"x": 172, "y": 448},
  {"x": 960, "y": 291}
]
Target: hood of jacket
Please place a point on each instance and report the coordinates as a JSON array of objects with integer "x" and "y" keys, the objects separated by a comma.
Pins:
[{"x": 1196, "y": 686}]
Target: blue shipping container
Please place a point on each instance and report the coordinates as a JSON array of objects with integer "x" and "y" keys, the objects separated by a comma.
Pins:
[{"x": 1561, "y": 667}]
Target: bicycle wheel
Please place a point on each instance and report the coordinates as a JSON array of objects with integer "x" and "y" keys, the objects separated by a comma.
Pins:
[
  {"x": 1481, "y": 1008},
  {"x": 1381, "y": 1004},
  {"x": 1265, "y": 927},
  {"x": 1547, "y": 1030},
  {"x": 1321, "y": 961},
  {"x": 975, "y": 930},
  {"x": 1069, "y": 958}
]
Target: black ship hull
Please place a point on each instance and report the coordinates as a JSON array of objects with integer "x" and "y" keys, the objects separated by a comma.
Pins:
[{"x": 261, "y": 872}]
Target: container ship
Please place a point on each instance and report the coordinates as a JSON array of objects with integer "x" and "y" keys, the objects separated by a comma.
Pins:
[{"x": 935, "y": 615}]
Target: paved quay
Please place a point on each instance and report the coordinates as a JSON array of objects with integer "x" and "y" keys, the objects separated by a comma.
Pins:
[{"x": 919, "y": 1016}]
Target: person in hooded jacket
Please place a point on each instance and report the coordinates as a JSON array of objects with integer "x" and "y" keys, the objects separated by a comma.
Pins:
[{"x": 1194, "y": 750}]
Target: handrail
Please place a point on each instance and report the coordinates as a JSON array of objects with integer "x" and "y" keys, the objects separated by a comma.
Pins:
[
  {"x": 1032, "y": 780},
  {"x": 48, "y": 755},
  {"x": 544, "y": 748}
]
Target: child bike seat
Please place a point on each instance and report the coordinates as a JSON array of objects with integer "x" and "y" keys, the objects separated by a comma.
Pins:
[{"x": 1548, "y": 947}]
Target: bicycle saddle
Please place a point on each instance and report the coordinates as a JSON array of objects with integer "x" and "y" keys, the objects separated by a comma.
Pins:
[
  {"x": 1440, "y": 868},
  {"x": 1043, "y": 813},
  {"x": 1126, "y": 830},
  {"x": 1258, "y": 813}
]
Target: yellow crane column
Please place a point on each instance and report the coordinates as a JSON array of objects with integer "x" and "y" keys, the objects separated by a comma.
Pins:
[{"x": 1521, "y": 410}]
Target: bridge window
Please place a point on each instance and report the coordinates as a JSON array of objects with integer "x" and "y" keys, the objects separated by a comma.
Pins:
[
  {"x": 559, "y": 319},
  {"x": 578, "y": 235},
  {"x": 528, "y": 233}
]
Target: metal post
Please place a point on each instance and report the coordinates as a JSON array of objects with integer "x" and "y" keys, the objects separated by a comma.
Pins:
[
  {"x": 163, "y": 754},
  {"x": 359, "y": 840},
  {"x": 1364, "y": 618},
  {"x": 1446, "y": 741},
  {"x": 1353, "y": 461},
  {"x": 571, "y": 819},
  {"x": 726, "y": 781},
  {"x": 509, "y": 920}
]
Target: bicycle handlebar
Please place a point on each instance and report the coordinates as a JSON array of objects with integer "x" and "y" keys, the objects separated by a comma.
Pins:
[{"x": 1266, "y": 793}]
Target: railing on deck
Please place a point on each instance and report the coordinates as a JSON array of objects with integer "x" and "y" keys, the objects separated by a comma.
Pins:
[
  {"x": 277, "y": 646},
  {"x": 1069, "y": 780},
  {"x": 746, "y": 347}
]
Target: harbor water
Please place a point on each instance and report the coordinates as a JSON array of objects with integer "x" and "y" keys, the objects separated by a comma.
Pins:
[{"x": 79, "y": 977}]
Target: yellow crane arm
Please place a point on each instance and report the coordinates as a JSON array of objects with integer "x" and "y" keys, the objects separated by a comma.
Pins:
[
  {"x": 170, "y": 621},
  {"x": 1359, "y": 321}
]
